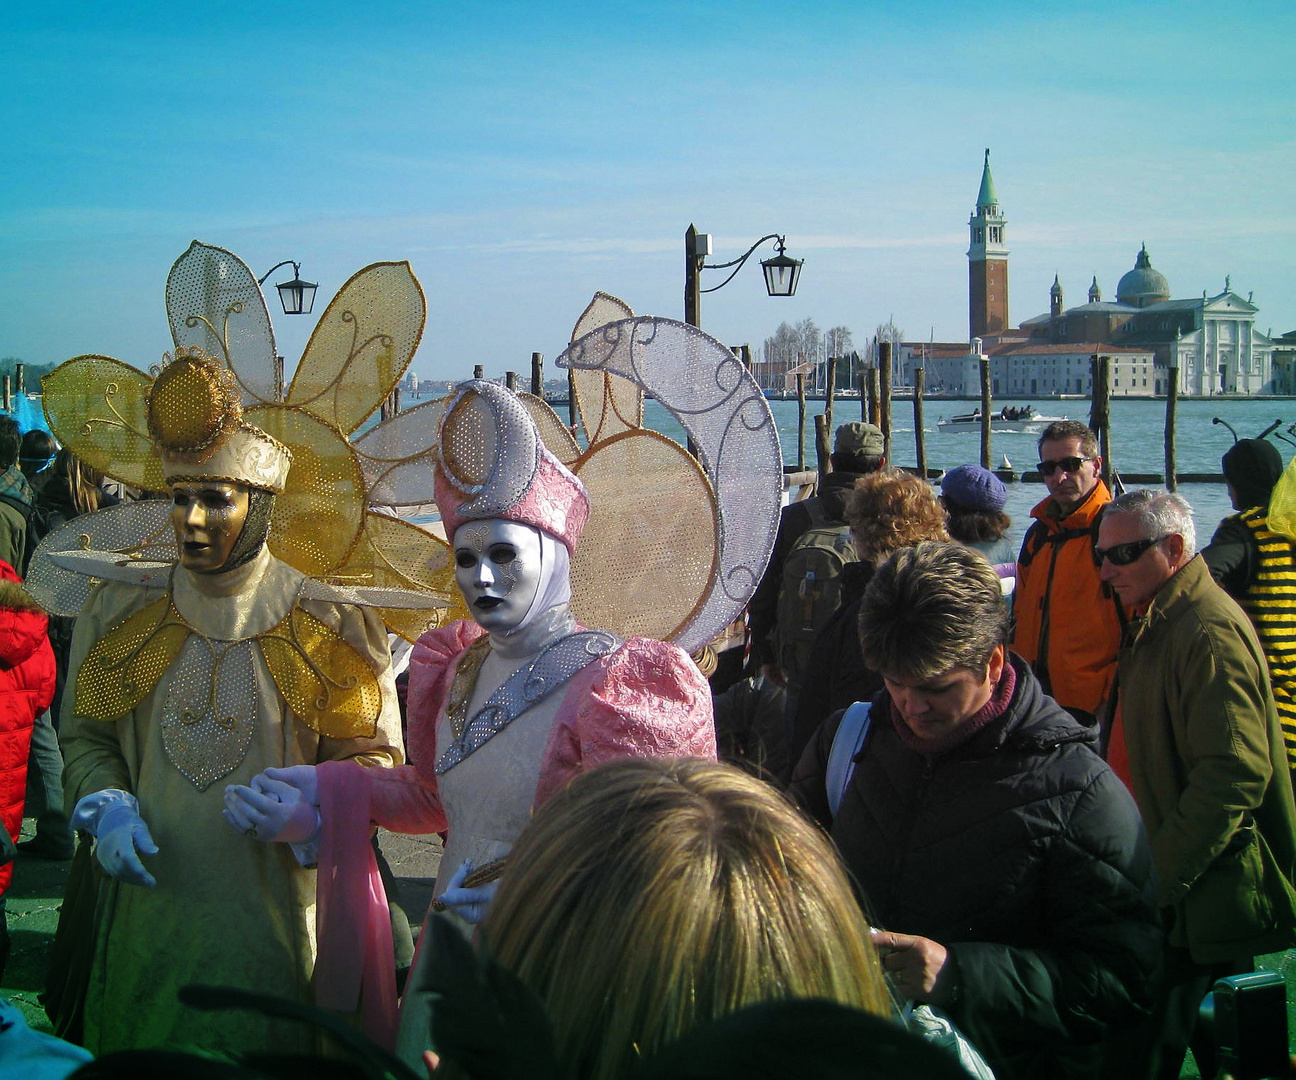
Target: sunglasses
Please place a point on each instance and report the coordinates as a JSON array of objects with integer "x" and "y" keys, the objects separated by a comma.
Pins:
[
  {"x": 1124, "y": 554},
  {"x": 1068, "y": 464}
]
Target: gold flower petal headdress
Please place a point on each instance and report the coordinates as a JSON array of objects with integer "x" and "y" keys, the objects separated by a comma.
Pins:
[{"x": 217, "y": 407}]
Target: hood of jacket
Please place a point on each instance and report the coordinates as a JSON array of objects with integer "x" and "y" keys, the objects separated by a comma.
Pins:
[{"x": 23, "y": 625}]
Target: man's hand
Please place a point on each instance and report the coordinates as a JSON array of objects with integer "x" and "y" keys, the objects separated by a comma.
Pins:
[
  {"x": 775, "y": 674},
  {"x": 912, "y": 963}
]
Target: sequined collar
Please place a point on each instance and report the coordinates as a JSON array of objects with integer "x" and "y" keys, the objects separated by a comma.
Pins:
[{"x": 551, "y": 669}]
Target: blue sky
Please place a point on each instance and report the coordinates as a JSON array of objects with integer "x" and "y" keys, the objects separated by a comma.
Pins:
[{"x": 523, "y": 155}]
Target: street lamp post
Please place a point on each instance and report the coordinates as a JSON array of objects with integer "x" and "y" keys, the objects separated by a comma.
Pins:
[
  {"x": 296, "y": 296},
  {"x": 781, "y": 272}
]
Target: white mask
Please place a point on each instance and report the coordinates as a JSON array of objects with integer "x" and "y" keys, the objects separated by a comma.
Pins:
[{"x": 499, "y": 567}]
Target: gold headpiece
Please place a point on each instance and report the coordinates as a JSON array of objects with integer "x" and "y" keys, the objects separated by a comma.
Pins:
[
  {"x": 196, "y": 420},
  {"x": 217, "y": 409}
]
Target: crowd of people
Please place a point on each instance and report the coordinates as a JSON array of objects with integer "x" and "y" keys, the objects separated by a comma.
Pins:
[{"x": 1029, "y": 803}]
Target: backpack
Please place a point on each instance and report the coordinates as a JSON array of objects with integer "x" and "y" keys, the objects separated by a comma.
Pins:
[
  {"x": 810, "y": 590},
  {"x": 37, "y": 525}
]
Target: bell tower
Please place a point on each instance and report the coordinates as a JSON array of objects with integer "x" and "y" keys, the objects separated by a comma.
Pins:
[{"x": 987, "y": 262}]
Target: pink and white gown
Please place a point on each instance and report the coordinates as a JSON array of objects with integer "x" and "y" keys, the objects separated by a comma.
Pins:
[{"x": 646, "y": 698}]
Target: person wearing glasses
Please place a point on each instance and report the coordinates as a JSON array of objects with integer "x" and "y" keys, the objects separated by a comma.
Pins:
[
  {"x": 1068, "y": 623},
  {"x": 1197, "y": 735}
]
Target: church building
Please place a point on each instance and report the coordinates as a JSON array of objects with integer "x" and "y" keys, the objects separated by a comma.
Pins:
[{"x": 1211, "y": 340}]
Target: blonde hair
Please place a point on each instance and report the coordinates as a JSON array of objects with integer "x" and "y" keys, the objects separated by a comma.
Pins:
[
  {"x": 650, "y": 895},
  {"x": 83, "y": 481},
  {"x": 892, "y": 509}
]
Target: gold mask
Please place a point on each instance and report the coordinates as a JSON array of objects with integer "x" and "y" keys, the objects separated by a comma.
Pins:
[{"x": 208, "y": 516}]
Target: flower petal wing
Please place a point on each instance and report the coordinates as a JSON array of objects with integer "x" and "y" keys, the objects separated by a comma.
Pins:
[
  {"x": 361, "y": 346},
  {"x": 95, "y": 406},
  {"x": 558, "y": 440},
  {"x": 397, "y": 456},
  {"x": 319, "y": 515},
  {"x": 213, "y": 302},
  {"x": 607, "y": 403},
  {"x": 396, "y": 554}
]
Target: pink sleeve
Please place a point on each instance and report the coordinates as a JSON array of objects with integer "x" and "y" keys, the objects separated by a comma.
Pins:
[
  {"x": 405, "y": 799},
  {"x": 647, "y": 699}
]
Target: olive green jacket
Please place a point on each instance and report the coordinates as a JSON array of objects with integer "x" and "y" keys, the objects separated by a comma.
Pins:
[{"x": 1209, "y": 772}]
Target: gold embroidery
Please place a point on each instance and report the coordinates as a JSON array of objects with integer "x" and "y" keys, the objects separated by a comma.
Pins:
[
  {"x": 326, "y": 682},
  {"x": 323, "y": 678},
  {"x": 465, "y": 679},
  {"x": 127, "y": 662}
]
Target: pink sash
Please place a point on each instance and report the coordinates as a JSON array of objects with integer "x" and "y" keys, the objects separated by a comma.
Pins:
[{"x": 355, "y": 969}]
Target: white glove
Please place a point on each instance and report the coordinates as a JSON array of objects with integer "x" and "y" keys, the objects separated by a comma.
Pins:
[
  {"x": 470, "y": 905},
  {"x": 121, "y": 836},
  {"x": 272, "y": 810}
]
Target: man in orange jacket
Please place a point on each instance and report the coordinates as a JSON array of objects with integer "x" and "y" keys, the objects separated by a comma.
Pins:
[{"x": 1068, "y": 622}]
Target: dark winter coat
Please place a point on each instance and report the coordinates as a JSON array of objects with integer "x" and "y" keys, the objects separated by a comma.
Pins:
[
  {"x": 26, "y": 689},
  {"x": 1020, "y": 852}
]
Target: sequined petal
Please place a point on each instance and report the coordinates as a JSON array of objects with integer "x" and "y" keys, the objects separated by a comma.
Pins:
[
  {"x": 361, "y": 346},
  {"x": 328, "y": 684},
  {"x": 95, "y": 406},
  {"x": 127, "y": 662}
]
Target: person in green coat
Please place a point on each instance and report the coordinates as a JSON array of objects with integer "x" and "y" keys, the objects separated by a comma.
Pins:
[{"x": 1198, "y": 728}]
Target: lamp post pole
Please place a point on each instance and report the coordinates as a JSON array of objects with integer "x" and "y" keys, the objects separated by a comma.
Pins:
[
  {"x": 781, "y": 273},
  {"x": 692, "y": 278}
]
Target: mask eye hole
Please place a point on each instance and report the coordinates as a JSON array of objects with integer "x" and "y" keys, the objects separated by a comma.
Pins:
[
  {"x": 465, "y": 559},
  {"x": 503, "y": 554}
]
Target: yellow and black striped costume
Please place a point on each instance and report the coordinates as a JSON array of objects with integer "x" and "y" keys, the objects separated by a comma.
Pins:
[{"x": 1270, "y": 601}]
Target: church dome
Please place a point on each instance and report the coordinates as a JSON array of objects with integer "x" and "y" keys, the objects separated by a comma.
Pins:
[{"x": 1142, "y": 285}]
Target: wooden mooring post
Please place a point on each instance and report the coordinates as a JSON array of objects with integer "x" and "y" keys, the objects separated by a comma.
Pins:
[
  {"x": 800, "y": 422},
  {"x": 1100, "y": 411},
  {"x": 537, "y": 374},
  {"x": 984, "y": 372},
  {"x": 831, "y": 391},
  {"x": 1172, "y": 417},
  {"x": 479, "y": 372},
  {"x": 874, "y": 392},
  {"x": 511, "y": 381},
  {"x": 920, "y": 443},
  {"x": 823, "y": 447},
  {"x": 573, "y": 414},
  {"x": 884, "y": 394}
]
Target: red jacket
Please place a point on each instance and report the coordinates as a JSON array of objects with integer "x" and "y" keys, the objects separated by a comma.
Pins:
[{"x": 26, "y": 690}]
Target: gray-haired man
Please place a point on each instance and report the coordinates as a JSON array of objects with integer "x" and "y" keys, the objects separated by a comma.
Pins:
[{"x": 1203, "y": 753}]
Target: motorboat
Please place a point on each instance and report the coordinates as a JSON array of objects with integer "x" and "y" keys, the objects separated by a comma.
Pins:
[{"x": 1010, "y": 418}]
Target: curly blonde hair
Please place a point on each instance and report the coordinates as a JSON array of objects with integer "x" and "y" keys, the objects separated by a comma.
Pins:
[{"x": 892, "y": 509}]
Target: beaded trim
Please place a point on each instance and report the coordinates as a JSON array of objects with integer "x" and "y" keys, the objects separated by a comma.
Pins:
[{"x": 549, "y": 671}]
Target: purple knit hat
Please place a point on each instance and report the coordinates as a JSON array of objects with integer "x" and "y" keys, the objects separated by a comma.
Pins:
[{"x": 971, "y": 487}]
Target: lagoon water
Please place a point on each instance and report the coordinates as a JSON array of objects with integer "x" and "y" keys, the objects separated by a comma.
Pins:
[{"x": 1138, "y": 441}]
